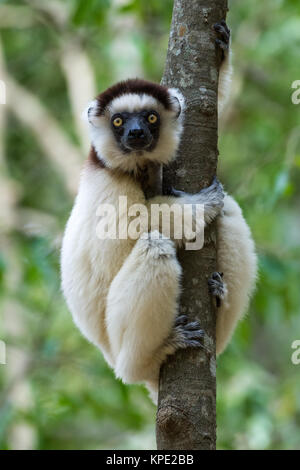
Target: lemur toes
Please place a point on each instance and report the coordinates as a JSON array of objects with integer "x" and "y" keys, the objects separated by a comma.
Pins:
[
  {"x": 223, "y": 39},
  {"x": 181, "y": 320},
  {"x": 217, "y": 287},
  {"x": 188, "y": 334}
]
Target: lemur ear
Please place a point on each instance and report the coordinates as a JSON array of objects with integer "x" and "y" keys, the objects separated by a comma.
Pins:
[
  {"x": 89, "y": 114},
  {"x": 178, "y": 102}
]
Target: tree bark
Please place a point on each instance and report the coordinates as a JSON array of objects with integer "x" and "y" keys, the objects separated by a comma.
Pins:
[{"x": 186, "y": 414}]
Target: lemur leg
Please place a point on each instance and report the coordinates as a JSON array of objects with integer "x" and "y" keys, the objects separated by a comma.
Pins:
[
  {"x": 223, "y": 42},
  {"x": 141, "y": 311},
  {"x": 184, "y": 334},
  {"x": 211, "y": 198},
  {"x": 237, "y": 260}
]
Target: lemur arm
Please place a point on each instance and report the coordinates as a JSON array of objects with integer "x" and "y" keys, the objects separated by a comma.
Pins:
[{"x": 225, "y": 76}]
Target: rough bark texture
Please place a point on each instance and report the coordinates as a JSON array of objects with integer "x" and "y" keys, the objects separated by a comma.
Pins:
[{"x": 186, "y": 414}]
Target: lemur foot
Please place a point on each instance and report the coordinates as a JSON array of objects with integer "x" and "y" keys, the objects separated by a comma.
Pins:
[
  {"x": 223, "y": 39},
  {"x": 186, "y": 334},
  {"x": 217, "y": 287}
]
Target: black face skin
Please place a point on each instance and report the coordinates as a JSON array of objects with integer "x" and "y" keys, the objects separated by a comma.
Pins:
[{"x": 136, "y": 133}]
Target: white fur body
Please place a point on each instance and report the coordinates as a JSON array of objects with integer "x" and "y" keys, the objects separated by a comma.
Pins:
[{"x": 123, "y": 293}]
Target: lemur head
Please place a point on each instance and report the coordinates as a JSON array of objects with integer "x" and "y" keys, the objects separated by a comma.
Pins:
[{"x": 134, "y": 122}]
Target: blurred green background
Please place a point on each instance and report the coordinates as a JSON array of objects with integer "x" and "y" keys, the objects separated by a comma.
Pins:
[{"x": 56, "y": 392}]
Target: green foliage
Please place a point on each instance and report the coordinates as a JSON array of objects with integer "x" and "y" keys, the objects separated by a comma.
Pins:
[
  {"x": 91, "y": 12},
  {"x": 73, "y": 400}
]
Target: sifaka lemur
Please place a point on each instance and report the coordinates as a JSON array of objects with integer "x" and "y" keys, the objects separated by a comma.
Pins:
[{"x": 123, "y": 292}]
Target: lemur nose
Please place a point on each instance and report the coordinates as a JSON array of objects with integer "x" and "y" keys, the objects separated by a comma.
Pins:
[{"x": 136, "y": 133}]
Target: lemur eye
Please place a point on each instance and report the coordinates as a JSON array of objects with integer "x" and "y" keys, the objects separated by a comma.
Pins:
[
  {"x": 117, "y": 122},
  {"x": 152, "y": 118}
]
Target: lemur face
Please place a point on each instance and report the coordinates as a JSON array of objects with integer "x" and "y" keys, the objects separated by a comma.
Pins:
[
  {"x": 135, "y": 122},
  {"x": 136, "y": 131}
]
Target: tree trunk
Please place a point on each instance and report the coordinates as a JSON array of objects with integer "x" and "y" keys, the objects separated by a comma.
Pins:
[{"x": 186, "y": 414}]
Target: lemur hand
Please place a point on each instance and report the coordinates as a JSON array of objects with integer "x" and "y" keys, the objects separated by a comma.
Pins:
[
  {"x": 223, "y": 39},
  {"x": 212, "y": 198}
]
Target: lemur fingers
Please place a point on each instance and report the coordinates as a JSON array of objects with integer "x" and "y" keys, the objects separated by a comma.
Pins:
[
  {"x": 223, "y": 39},
  {"x": 212, "y": 197},
  {"x": 217, "y": 287},
  {"x": 185, "y": 334},
  {"x": 223, "y": 31}
]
